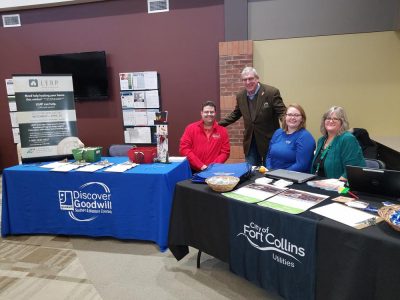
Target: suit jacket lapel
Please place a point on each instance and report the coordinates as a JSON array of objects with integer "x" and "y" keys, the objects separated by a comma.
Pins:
[{"x": 260, "y": 103}]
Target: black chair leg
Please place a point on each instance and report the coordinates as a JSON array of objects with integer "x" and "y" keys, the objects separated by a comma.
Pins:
[{"x": 198, "y": 259}]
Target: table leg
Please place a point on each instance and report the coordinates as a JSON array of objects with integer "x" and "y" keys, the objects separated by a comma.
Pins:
[{"x": 198, "y": 259}]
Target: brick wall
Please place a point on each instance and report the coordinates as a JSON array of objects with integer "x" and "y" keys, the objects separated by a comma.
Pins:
[{"x": 233, "y": 57}]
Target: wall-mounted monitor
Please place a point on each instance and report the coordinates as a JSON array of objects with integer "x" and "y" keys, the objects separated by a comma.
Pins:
[{"x": 88, "y": 69}]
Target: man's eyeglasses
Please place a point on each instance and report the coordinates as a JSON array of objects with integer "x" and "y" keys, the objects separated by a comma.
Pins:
[
  {"x": 250, "y": 79},
  {"x": 208, "y": 112},
  {"x": 332, "y": 119},
  {"x": 293, "y": 115}
]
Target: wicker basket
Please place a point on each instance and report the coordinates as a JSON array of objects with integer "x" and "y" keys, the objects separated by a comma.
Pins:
[
  {"x": 386, "y": 211},
  {"x": 222, "y": 183}
]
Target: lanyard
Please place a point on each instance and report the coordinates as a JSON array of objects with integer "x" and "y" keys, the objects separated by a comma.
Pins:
[{"x": 322, "y": 157}]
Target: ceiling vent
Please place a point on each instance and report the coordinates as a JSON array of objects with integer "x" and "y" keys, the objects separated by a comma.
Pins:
[
  {"x": 11, "y": 21},
  {"x": 156, "y": 6}
]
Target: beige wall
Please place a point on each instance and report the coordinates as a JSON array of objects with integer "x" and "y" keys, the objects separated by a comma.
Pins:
[{"x": 360, "y": 72}]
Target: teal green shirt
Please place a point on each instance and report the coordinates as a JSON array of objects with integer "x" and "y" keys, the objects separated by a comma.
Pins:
[{"x": 344, "y": 150}]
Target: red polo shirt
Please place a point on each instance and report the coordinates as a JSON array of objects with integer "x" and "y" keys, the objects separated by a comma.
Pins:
[{"x": 201, "y": 148}]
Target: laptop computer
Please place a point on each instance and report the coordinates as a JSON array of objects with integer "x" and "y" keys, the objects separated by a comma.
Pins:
[
  {"x": 290, "y": 175},
  {"x": 374, "y": 181}
]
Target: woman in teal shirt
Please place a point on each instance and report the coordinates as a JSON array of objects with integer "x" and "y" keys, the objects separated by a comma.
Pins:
[{"x": 337, "y": 148}]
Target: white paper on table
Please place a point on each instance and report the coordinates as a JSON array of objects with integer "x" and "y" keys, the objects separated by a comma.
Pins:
[
  {"x": 298, "y": 199},
  {"x": 121, "y": 167},
  {"x": 55, "y": 164},
  {"x": 282, "y": 183},
  {"x": 92, "y": 167},
  {"x": 346, "y": 215},
  {"x": 263, "y": 180},
  {"x": 258, "y": 191},
  {"x": 176, "y": 158},
  {"x": 66, "y": 168}
]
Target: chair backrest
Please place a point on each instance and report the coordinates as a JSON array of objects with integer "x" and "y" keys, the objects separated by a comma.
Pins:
[
  {"x": 374, "y": 163},
  {"x": 119, "y": 149},
  {"x": 368, "y": 146}
]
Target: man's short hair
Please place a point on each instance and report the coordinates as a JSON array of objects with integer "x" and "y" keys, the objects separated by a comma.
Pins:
[
  {"x": 248, "y": 70},
  {"x": 208, "y": 103}
]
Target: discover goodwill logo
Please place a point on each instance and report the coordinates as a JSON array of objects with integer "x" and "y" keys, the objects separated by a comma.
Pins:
[
  {"x": 87, "y": 202},
  {"x": 263, "y": 239}
]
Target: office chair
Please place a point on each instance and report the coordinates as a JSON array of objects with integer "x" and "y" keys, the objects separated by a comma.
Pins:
[
  {"x": 119, "y": 149},
  {"x": 374, "y": 163},
  {"x": 368, "y": 146}
]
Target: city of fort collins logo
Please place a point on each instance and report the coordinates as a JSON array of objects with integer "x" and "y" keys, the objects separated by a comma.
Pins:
[
  {"x": 87, "y": 202},
  {"x": 263, "y": 239}
]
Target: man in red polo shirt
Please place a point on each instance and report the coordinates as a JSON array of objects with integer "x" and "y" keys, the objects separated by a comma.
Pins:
[{"x": 204, "y": 141}]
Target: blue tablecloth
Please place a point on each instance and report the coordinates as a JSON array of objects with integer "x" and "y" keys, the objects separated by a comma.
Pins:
[{"x": 135, "y": 204}]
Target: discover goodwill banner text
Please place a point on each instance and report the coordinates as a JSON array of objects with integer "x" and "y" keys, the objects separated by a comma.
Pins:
[{"x": 46, "y": 115}]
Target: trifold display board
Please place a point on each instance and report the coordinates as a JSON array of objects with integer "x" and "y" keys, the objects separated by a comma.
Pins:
[
  {"x": 140, "y": 99},
  {"x": 46, "y": 116}
]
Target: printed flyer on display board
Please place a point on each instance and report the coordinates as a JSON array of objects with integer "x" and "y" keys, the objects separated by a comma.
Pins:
[
  {"x": 13, "y": 110},
  {"x": 46, "y": 116}
]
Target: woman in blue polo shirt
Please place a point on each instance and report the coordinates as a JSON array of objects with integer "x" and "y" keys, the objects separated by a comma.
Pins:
[{"x": 292, "y": 146}]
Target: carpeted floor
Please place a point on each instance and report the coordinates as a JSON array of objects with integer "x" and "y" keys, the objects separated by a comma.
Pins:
[
  {"x": 42, "y": 267},
  {"x": 59, "y": 267}
]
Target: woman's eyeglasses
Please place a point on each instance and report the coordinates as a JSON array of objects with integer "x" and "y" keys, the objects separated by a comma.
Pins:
[
  {"x": 332, "y": 119},
  {"x": 293, "y": 115}
]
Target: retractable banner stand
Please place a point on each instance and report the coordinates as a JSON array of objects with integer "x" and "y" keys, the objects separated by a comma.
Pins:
[{"x": 46, "y": 116}]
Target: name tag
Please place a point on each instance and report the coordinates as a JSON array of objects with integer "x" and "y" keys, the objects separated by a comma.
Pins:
[{"x": 216, "y": 136}]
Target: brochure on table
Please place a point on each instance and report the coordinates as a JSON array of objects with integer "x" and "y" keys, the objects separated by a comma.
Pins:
[
  {"x": 254, "y": 192},
  {"x": 279, "y": 198},
  {"x": 347, "y": 215},
  {"x": 293, "y": 201}
]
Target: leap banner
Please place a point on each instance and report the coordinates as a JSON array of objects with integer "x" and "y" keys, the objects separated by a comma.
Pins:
[{"x": 46, "y": 116}]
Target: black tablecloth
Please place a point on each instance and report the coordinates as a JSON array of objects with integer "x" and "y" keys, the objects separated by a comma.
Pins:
[
  {"x": 350, "y": 263},
  {"x": 357, "y": 264},
  {"x": 199, "y": 220}
]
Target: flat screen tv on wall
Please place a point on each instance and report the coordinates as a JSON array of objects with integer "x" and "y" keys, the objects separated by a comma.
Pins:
[{"x": 88, "y": 69}]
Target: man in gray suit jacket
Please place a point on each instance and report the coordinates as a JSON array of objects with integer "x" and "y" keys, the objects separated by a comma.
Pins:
[{"x": 261, "y": 107}]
